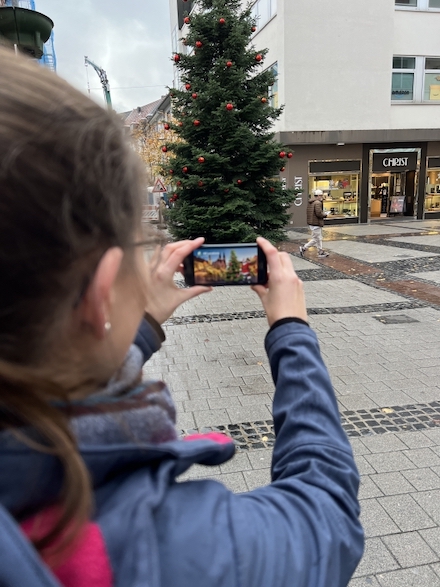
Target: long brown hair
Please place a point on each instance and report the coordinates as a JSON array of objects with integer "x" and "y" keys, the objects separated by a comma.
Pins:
[{"x": 69, "y": 189}]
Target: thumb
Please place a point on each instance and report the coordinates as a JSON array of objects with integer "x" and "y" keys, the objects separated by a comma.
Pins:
[{"x": 260, "y": 290}]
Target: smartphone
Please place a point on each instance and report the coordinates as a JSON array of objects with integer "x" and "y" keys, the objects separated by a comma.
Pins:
[{"x": 229, "y": 264}]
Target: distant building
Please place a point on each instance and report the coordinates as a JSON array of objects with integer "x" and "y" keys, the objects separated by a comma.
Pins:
[{"x": 360, "y": 82}]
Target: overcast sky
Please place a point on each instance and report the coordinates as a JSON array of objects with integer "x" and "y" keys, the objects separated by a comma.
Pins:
[{"x": 129, "y": 39}]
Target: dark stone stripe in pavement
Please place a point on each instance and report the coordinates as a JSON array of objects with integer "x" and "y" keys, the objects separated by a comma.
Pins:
[
  {"x": 230, "y": 316},
  {"x": 410, "y": 418}
]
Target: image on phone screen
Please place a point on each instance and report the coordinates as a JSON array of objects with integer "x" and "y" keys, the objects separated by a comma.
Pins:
[{"x": 240, "y": 264}]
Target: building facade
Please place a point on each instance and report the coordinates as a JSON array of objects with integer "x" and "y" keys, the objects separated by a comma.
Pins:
[{"x": 360, "y": 84}]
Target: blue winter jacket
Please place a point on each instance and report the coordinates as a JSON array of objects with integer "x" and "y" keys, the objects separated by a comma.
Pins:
[{"x": 300, "y": 531}]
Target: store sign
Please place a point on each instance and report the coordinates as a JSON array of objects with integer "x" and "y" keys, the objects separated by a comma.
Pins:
[{"x": 401, "y": 161}]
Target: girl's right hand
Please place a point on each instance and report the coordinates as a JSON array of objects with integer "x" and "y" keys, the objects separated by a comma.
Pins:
[{"x": 283, "y": 295}]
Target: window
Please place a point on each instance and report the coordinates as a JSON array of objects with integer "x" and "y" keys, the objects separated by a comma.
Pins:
[
  {"x": 416, "y": 79},
  {"x": 263, "y": 11},
  {"x": 273, "y": 90},
  {"x": 420, "y": 4},
  {"x": 432, "y": 80},
  {"x": 403, "y": 78}
]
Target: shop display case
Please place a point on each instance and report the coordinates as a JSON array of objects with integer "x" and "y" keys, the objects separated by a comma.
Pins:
[
  {"x": 432, "y": 197},
  {"x": 340, "y": 194}
]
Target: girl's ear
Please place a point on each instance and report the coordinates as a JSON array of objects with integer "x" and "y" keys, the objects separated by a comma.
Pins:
[{"x": 96, "y": 305}]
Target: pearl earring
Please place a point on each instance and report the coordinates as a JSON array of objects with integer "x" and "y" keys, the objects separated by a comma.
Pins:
[{"x": 107, "y": 326}]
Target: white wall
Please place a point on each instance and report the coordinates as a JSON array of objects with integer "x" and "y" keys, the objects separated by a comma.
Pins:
[{"x": 338, "y": 64}]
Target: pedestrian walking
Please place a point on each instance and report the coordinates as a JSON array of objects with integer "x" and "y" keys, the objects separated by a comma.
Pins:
[
  {"x": 90, "y": 457},
  {"x": 315, "y": 220}
]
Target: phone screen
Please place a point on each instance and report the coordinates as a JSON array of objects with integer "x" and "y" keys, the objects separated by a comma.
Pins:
[{"x": 234, "y": 264}]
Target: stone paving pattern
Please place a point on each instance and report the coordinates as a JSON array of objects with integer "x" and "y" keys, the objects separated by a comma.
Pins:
[{"x": 384, "y": 363}]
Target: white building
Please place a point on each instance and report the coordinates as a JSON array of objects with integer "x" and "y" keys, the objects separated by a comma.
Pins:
[{"x": 360, "y": 81}]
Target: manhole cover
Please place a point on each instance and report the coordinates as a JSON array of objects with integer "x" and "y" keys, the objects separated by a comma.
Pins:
[{"x": 395, "y": 319}]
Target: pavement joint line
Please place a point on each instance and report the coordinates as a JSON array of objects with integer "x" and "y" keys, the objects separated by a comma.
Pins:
[
  {"x": 231, "y": 316},
  {"x": 357, "y": 424}
]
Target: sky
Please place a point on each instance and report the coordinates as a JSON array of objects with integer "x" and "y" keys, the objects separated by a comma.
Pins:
[{"x": 129, "y": 39}]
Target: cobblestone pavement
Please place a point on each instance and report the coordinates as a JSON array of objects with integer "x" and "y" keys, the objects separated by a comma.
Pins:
[{"x": 375, "y": 305}]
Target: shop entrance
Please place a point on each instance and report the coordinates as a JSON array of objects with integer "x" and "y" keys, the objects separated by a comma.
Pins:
[
  {"x": 392, "y": 194},
  {"x": 393, "y": 183}
]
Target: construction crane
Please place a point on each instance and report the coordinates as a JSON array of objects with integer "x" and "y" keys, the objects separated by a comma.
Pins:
[{"x": 104, "y": 81}]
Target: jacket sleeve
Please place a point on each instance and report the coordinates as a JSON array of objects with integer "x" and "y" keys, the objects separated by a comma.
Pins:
[
  {"x": 303, "y": 529},
  {"x": 319, "y": 212},
  {"x": 148, "y": 337}
]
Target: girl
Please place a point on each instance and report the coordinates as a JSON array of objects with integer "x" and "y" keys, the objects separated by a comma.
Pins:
[{"x": 89, "y": 457}]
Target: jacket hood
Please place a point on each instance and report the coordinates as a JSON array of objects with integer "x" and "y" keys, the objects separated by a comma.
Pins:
[{"x": 31, "y": 480}]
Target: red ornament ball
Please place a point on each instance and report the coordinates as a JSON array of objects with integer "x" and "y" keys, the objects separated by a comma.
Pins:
[
  {"x": 283, "y": 169},
  {"x": 264, "y": 100},
  {"x": 258, "y": 57},
  {"x": 239, "y": 181},
  {"x": 228, "y": 63},
  {"x": 171, "y": 171},
  {"x": 176, "y": 58},
  {"x": 253, "y": 29},
  {"x": 272, "y": 189},
  {"x": 222, "y": 21},
  {"x": 164, "y": 149},
  {"x": 201, "y": 159},
  {"x": 180, "y": 123},
  {"x": 185, "y": 169},
  {"x": 199, "y": 44},
  {"x": 166, "y": 126},
  {"x": 194, "y": 96},
  {"x": 229, "y": 106},
  {"x": 282, "y": 154},
  {"x": 201, "y": 184},
  {"x": 226, "y": 190},
  {"x": 289, "y": 155},
  {"x": 179, "y": 183},
  {"x": 196, "y": 123},
  {"x": 187, "y": 86},
  {"x": 187, "y": 20}
]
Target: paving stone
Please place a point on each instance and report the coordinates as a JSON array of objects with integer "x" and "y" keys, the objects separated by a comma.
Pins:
[
  {"x": 233, "y": 481},
  {"x": 244, "y": 413},
  {"x": 375, "y": 519},
  {"x": 423, "y": 479},
  {"x": 406, "y": 512},
  {"x": 368, "y": 488},
  {"x": 430, "y": 502},
  {"x": 423, "y": 457},
  {"x": 377, "y": 559},
  {"x": 415, "y": 577},
  {"x": 432, "y": 538},
  {"x": 392, "y": 483},
  {"x": 185, "y": 421},
  {"x": 240, "y": 462},
  {"x": 261, "y": 459},
  {"x": 257, "y": 478},
  {"x": 390, "y": 461},
  {"x": 205, "y": 418},
  {"x": 195, "y": 405},
  {"x": 415, "y": 439},
  {"x": 368, "y": 581},
  {"x": 410, "y": 549},
  {"x": 384, "y": 443}
]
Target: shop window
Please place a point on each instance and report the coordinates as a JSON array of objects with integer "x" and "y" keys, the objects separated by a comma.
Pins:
[
  {"x": 432, "y": 79},
  {"x": 263, "y": 11},
  {"x": 406, "y": 3},
  {"x": 403, "y": 78},
  {"x": 341, "y": 194},
  {"x": 432, "y": 196}
]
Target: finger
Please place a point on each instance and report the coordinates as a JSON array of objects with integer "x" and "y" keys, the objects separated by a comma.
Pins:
[
  {"x": 272, "y": 254},
  {"x": 187, "y": 245},
  {"x": 286, "y": 262},
  {"x": 178, "y": 255},
  {"x": 192, "y": 292},
  {"x": 260, "y": 290}
]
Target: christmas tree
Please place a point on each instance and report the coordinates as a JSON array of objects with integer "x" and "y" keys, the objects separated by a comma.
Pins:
[
  {"x": 225, "y": 169},
  {"x": 234, "y": 266}
]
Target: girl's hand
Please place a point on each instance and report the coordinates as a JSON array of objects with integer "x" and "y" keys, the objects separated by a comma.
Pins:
[
  {"x": 162, "y": 294},
  {"x": 283, "y": 295}
]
